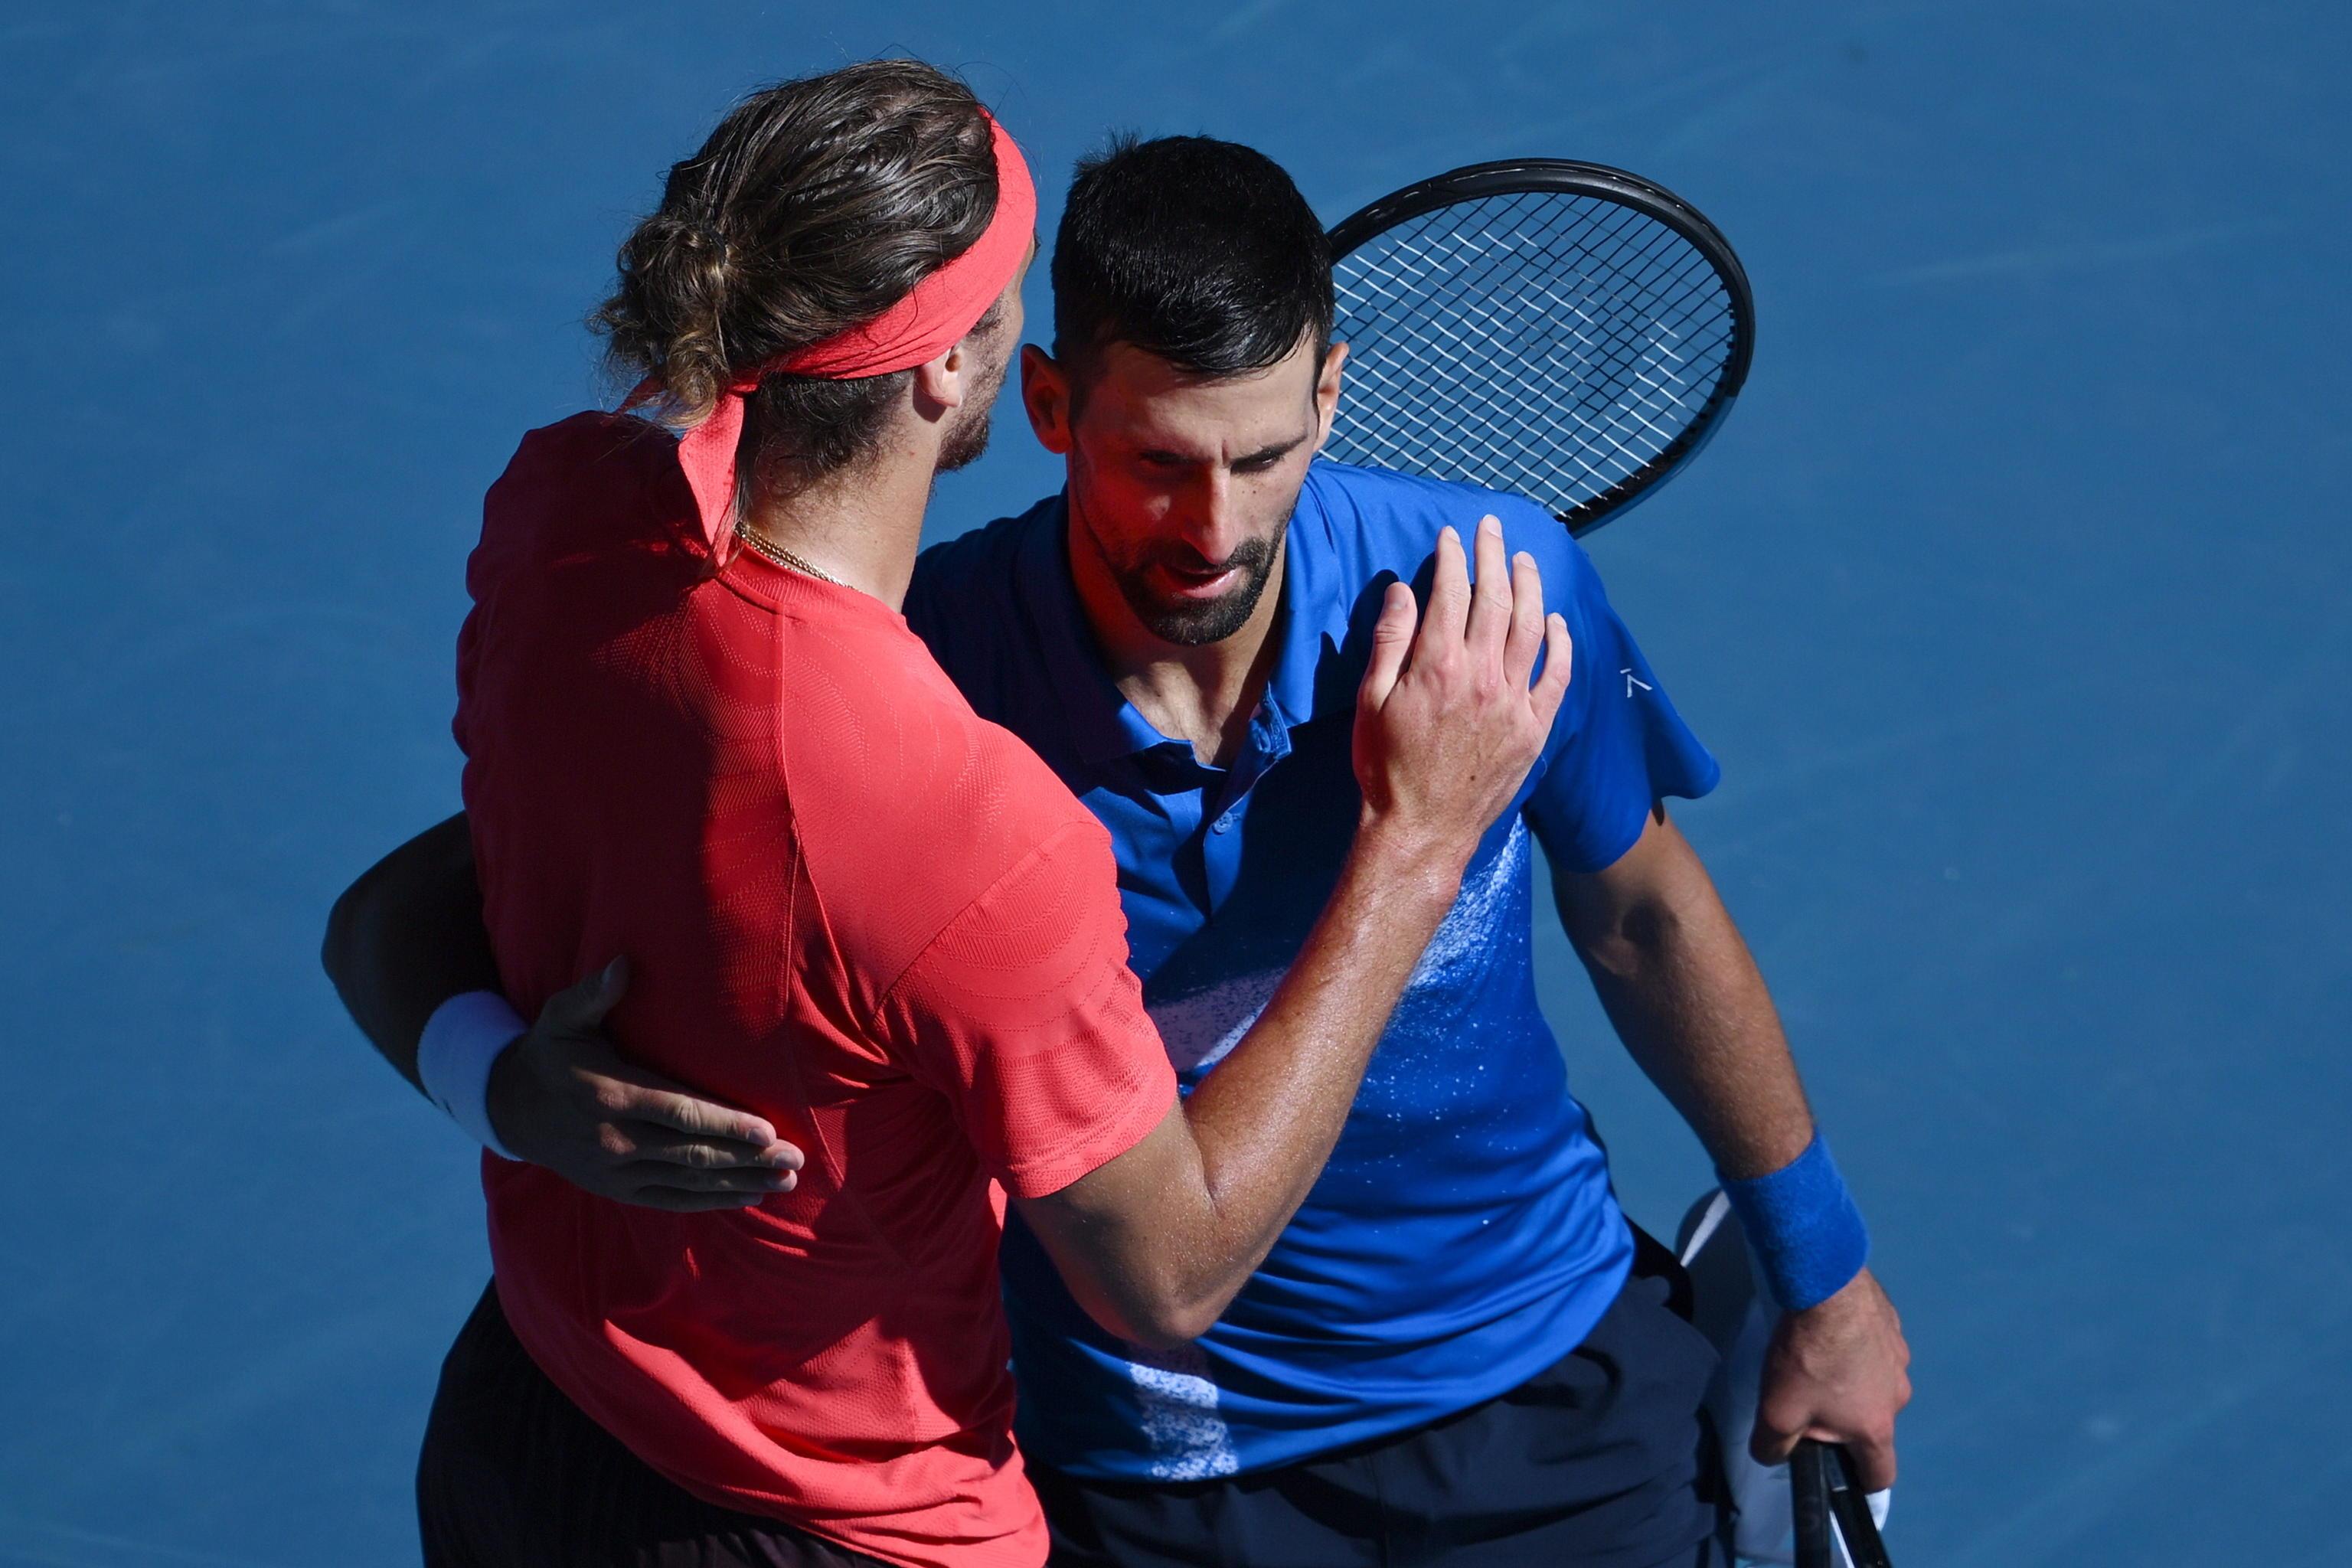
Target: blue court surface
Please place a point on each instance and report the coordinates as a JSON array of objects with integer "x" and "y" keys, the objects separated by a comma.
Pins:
[{"x": 2016, "y": 598}]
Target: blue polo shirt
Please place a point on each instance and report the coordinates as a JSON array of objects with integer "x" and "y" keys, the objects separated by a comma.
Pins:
[{"x": 1464, "y": 1236}]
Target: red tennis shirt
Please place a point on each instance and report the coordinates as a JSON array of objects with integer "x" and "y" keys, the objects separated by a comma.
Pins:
[{"x": 852, "y": 905}]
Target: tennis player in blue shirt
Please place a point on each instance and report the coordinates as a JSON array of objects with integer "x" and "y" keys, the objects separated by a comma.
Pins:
[{"x": 1459, "y": 1350}]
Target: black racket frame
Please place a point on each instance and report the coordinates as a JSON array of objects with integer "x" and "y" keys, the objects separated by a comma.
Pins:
[{"x": 1513, "y": 176}]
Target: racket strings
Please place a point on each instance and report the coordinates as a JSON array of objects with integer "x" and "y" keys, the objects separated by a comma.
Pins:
[
  {"x": 1463, "y": 308},
  {"x": 1553, "y": 344},
  {"x": 1615, "y": 368},
  {"x": 1643, "y": 385}
]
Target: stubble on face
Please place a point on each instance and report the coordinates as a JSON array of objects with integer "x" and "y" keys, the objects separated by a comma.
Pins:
[
  {"x": 1152, "y": 422},
  {"x": 968, "y": 438},
  {"x": 1188, "y": 623}
]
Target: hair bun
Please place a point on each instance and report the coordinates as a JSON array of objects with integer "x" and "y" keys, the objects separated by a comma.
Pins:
[
  {"x": 708, "y": 238},
  {"x": 815, "y": 204}
]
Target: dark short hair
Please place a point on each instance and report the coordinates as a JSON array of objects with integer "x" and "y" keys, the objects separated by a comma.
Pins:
[
  {"x": 1198, "y": 252},
  {"x": 815, "y": 206}
]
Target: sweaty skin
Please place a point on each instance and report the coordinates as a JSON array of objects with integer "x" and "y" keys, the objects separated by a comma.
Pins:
[
  {"x": 1686, "y": 998},
  {"x": 1156, "y": 1241},
  {"x": 1168, "y": 468},
  {"x": 1183, "y": 1221},
  {"x": 1175, "y": 475}
]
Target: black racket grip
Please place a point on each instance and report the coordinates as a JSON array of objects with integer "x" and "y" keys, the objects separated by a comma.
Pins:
[
  {"x": 1822, "y": 1485},
  {"x": 1809, "y": 1487}
]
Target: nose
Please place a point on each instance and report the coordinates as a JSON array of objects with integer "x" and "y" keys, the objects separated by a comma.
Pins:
[{"x": 1212, "y": 523}]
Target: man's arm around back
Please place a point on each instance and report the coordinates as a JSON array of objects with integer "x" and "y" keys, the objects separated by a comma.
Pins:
[
  {"x": 1156, "y": 1241},
  {"x": 408, "y": 935}
]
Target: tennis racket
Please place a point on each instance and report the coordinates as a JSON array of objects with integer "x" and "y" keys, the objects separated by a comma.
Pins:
[
  {"x": 1565, "y": 332},
  {"x": 1820, "y": 1476}
]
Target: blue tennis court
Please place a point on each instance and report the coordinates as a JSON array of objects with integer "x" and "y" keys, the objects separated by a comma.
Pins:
[{"x": 2015, "y": 597}]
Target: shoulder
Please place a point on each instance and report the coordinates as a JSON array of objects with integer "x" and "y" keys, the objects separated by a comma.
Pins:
[
  {"x": 584, "y": 480},
  {"x": 971, "y": 601},
  {"x": 1377, "y": 520},
  {"x": 584, "y": 457},
  {"x": 977, "y": 558},
  {"x": 964, "y": 583},
  {"x": 910, "y": 805}
]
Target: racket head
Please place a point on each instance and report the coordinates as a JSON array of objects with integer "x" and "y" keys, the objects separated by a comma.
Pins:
[{"x": 1563, "y": 331}]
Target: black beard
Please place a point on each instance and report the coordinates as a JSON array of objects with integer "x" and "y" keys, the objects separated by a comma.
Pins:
[
  {"x": 969, "y": 439},
  {"x": 965, "y": 443},
  {"x": 1196, "y": 626}
]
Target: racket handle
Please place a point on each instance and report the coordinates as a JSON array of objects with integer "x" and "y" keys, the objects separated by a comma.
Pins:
[
  {"x": 1809, "y": 1485},
  {"x": 1851, "y": 1507},
  {"x": 1822, "y": 1485}
]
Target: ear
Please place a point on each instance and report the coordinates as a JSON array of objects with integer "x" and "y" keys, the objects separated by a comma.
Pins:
[
  {"x": 1045, "y": 394},
  {"x": 942, "y": 383},
  {"x": 1326, "y": 392}
]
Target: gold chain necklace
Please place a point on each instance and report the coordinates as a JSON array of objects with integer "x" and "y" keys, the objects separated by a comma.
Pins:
[{"x": 783, "y": 557}]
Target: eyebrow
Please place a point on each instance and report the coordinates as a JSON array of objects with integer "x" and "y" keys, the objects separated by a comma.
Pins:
[{"x": 1263, "y": 454}]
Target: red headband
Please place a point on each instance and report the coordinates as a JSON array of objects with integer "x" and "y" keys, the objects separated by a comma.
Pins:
[{"x": 932, "y": 318}]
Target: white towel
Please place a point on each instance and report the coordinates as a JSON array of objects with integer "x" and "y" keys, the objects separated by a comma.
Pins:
[{"x": 1730, "y": 1311}]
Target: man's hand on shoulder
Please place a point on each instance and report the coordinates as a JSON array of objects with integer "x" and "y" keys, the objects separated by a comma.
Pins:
[
  {"x": 1451, "y": 714},
  {"x": 1837, "y": 1372},
  {"x": 562, "y": 1097}
]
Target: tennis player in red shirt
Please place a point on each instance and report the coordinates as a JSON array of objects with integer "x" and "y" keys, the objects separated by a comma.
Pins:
[{"x": 697, "y": 732}]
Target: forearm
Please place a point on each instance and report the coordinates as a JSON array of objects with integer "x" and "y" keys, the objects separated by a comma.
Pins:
[
  {"x": 1264, "y": 1123},
  {"x": 1155, "y": 1243},
  {"x": 1686, "y": 998},
  {"x": 408, "y": 936}
]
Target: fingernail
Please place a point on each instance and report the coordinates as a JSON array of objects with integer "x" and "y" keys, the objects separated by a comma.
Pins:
[
  {"x": 1523, "y": 559},
  {"x": 1489, "y": 525},
  {"x": 1447, "y": 532},
  {"x": 613, "y": 972}
]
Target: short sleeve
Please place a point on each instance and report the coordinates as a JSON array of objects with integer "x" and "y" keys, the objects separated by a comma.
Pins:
[
  {"x": 1618, "y": 745},
  {"x": 1024, "y": 1014}
]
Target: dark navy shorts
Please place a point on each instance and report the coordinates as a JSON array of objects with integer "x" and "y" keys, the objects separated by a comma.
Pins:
[
  {"x": 1604, "y": 1460},
  {"x": 514, "y": 1475}
]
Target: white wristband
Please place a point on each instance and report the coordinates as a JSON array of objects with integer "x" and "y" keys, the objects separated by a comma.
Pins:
[{"x": 454, "y": 1054}]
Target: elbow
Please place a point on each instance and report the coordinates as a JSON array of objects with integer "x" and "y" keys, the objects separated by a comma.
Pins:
[
  {"x": 1635, "y": 942},
  {"x": 339, "y": 949},
  {"x": 1163, "y": 1315},
  {"x": 1171, "y": 1326}
]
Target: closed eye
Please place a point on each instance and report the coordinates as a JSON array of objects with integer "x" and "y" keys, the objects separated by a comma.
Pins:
[{"x": 1256, "y": 462}]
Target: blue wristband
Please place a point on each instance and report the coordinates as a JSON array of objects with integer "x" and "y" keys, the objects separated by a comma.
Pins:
[{"x": 1802, "y": 1226}]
